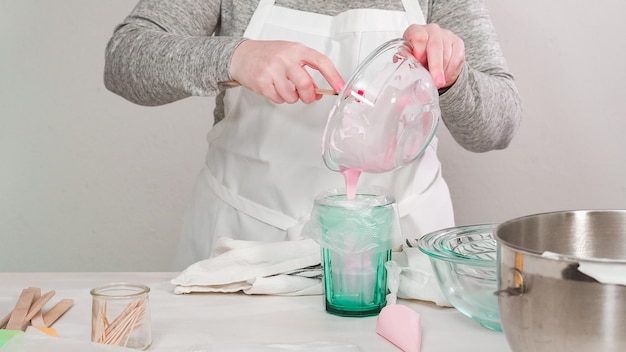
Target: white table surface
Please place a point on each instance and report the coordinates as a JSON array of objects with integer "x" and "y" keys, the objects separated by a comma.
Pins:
[{"x": 182, "y": 322}]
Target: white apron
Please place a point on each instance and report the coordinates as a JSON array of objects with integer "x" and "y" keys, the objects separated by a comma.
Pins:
[{"x": 264, "y": 165}]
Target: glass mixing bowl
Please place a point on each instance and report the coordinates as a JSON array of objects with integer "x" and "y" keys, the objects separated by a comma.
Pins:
[
  {"x": 465, "y": 262},
  {"x": 386, "y": 114}
]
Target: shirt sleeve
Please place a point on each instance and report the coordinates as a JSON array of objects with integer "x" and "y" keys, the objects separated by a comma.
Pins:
[
  {"x": 482, "y": 109},
  {"x": 166, "y": 51}
]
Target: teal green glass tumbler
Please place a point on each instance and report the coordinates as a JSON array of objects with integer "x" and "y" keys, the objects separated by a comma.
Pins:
[{"x": 356, "y": 240}]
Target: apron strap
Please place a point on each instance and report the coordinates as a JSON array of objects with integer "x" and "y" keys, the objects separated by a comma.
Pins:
[
  {"x": 261, "y": 13},
  {"x": 252, "y": 209},
  {"x": 413, "y": 12}
]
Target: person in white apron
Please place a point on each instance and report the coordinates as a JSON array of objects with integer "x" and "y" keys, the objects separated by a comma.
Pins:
[{"x": 264, "y": 166}]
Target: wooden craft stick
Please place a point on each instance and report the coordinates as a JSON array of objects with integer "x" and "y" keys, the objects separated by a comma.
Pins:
[
  {"x": 5, "y": 320},
  {"x": 37, "y": 319},
  {"x": 18, "y": 316},
  {"x": 317, "y": 90},
  {"x": 38, "y": 305},
  {"x": 57, "y": 311}
]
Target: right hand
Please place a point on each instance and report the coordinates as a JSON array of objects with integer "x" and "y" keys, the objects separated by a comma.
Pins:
[
  {"x": 276, "y": 69},
  {"x": 439, "y": 50}
]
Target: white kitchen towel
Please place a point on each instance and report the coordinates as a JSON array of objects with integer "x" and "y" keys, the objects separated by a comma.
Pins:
[
  {"x": 292, "y": 268},
  {"x": 274, "y": 268}
]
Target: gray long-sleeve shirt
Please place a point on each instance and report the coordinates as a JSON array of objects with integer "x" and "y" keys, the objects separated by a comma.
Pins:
[{"x": 169, "y": 50}]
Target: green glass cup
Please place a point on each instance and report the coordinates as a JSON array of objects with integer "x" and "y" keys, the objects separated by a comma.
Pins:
[{"x": 356, "y": 240}]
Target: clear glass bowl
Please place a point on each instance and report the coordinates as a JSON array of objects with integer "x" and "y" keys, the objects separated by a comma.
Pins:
[
  {"x": 464, "y": 261},
  {"x": 385, "y": 116}
]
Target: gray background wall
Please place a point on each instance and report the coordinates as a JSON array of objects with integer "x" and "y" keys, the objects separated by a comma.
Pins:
[{"x": 90, "y": 182}]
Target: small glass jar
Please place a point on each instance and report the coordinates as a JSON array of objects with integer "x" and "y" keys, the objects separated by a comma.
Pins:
[{"x": 120, "y": 315}]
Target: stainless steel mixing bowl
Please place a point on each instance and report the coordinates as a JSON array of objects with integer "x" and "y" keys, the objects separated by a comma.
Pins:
[{"x": 562, "y": 281}]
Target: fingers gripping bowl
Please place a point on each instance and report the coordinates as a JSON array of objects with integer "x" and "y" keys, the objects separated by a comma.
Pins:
[{"x": 464, "y": 261}]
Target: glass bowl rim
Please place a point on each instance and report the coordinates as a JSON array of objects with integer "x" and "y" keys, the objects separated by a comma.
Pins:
[
  {"x": 431, "y": 244},
  {"x": 134, "y": 290}
]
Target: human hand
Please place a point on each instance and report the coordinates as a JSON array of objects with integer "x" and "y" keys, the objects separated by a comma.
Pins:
[
  {"x": 439, "y": 50},
  {"x": 276, "y": 69}
]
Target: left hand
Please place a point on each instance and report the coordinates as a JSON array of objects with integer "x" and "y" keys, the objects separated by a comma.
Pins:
[
  {"x": 276, "y": 69},
  {"x": 439, "y": 50}
]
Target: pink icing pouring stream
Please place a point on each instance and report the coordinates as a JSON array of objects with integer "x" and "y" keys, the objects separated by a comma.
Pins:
[{"x": 351, "y": 177}]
